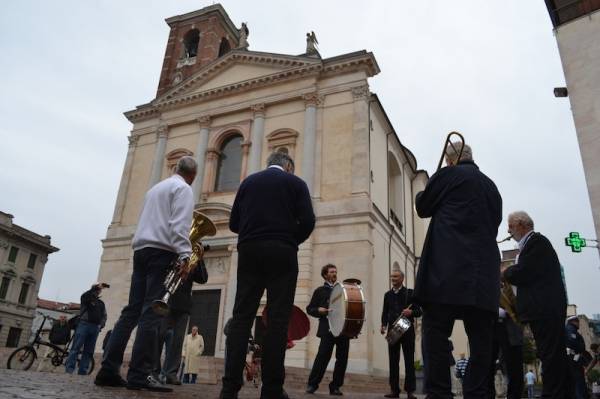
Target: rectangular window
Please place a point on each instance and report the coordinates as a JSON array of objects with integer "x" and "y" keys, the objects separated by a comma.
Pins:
[
  {"x": 4, "y": 287},
  {"x": 31, "y": 261},
  {"x": 14, "y": 336},
  {"x": 12, "y": 255},
  {"x": 23, "y": 294}
]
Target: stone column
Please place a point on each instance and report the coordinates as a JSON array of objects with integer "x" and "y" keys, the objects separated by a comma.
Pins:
[
  {"x": 120, "y": 205},
  {"x": 256, "y": 137},
  {"x": 159, "y": 154},
  {"x": 360, "y": 141},
  {"x": 204, "y": 123},
  {"x": 212, "y": 163},
  {"x": 310, "y": 131}
]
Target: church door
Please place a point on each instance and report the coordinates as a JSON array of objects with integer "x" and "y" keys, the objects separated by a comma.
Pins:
[{"x": 205, "y": 315}]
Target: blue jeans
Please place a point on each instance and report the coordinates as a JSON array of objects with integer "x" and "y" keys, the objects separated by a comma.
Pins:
[
  {"x": 530, "y": 391},
  {"x": 150, "y": 267},
  {"x": 85, "y": 337},
  {"x": 189, "y": 378}
]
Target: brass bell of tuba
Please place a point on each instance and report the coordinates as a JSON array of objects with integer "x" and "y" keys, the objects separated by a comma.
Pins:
[{"x": 201, "y": 226}]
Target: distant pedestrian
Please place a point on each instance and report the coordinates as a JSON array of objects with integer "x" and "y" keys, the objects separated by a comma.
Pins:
[
  {"x": 92, "y": 318},
  {"x": 60, "y": 333},
  {"x": 193, "y": 346},
  {"x": 530, "y": 379}
]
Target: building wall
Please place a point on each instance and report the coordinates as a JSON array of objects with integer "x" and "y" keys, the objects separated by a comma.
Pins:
[
  {"x": 352, "y": 230},
  {"x": 14, "y": 313},
  {"x": 579, "y": 49}
]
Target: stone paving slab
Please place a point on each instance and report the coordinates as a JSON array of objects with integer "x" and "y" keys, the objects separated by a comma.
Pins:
[{"x": 34, "y": 385}]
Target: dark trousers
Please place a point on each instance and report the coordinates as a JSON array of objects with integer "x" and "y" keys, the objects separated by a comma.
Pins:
[
  {"x": 549, "y": 335},
  {"x": 511, "y": 360},
  {"x": 407, "y": 342},
  {"x": 171, "y": 335},
  {"x": 438, "y": 321},
  {"x": 270, "y": 265},
  {"x": 342, "y": 345},
  {"x": 150, "y": 266},
  {"x": 578, "y": 378}
]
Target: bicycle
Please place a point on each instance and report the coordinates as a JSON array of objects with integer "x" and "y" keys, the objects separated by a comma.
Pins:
[{"x": 23, "y": 358}]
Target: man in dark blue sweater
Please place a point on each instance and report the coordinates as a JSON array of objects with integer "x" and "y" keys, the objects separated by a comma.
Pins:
[{"x": 272, "y": 214}]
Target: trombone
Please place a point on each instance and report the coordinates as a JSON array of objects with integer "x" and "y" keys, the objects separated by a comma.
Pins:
[{"x": 461, "y": 143}]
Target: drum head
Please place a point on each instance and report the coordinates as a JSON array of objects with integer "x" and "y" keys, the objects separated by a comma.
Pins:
[{"x": 337, "y": 310}]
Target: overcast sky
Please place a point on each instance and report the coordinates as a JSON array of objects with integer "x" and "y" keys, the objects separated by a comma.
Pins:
[{"x": 69, "y": 69}]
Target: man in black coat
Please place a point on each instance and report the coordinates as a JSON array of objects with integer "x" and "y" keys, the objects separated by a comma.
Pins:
[
  {"x": 459, "y": 271},
  {"x": 172, "y": 330},
  {"x": 541, "y": 301},
  {"x": 399, "y": 301},
  {"x": 272, "y": 214},
  {"x": 319, "y": 308}
]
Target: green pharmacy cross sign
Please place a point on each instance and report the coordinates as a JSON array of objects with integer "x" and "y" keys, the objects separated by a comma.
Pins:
[{"x": 575, "y": 242}]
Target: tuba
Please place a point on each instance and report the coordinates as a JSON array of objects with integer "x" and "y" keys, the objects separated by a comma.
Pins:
[
  {"x": 201, "y": 226},
  {"x": 508, "y": 301}
]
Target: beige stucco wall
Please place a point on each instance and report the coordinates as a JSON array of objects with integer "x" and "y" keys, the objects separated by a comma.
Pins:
[
  {"x": 579, "y": 49},
  {"x": 350, "y": 231}
]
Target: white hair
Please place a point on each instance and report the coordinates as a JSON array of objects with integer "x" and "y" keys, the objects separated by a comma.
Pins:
[{"x": 521, "y": 218}]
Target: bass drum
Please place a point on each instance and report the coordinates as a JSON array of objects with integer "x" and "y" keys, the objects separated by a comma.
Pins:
[{"x": 346, "y": 309}]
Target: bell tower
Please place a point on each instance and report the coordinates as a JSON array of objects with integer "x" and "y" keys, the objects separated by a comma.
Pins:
[{"x": 195, "y": 40}]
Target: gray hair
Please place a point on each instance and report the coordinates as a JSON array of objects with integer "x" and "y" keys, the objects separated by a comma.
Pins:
[
  {"x": 522, "y": 218},
  {"x": 281, "y": 159},
  {"x": 453, "y": 149},
  {"x": 400, "y": 272},
  {"x": 186, "y": 166}
]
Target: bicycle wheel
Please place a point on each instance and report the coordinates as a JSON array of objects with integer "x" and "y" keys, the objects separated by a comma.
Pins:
[
  {"x": 22, "y": 358},
  {"x": 90, "y": 367}
]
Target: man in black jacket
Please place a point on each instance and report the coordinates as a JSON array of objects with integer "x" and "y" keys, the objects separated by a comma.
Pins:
[
  {"x": 92, "y": 319},
  {"x": 541, "y": 301},
  {"x": 575, "y": 350},
  {"x": 172, "y": 329},
  {"x": 272, "y": 214},
  {"x": 319, "y": 307},
  {"x": 459, "y": 271},
  {"x": 399, "y": 301}
]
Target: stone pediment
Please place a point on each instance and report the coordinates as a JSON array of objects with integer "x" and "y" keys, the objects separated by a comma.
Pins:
[
  {"x": 238, "y": 70},
  {"x": 242, "y": 70}
]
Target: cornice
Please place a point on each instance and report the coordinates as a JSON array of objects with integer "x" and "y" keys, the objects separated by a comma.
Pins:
[{"x": 300, "y": 68}]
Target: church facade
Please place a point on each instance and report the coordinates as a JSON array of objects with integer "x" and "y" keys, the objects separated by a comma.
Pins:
[{"x": 230, "y": 107}]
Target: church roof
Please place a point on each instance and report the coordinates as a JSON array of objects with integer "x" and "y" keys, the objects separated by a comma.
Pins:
[{"x": 289, "y": 67}]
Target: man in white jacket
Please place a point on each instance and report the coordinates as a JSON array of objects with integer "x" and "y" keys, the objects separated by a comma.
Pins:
[{"x": 162, "y": 236}]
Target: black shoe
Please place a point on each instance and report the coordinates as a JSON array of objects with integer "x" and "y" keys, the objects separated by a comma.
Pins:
[
  {"x": 150, "y": 384},
  {"x": 106, "y": 379},
  {"x": 172, "y": 381},
  {"x": 335, "y": 392},
  {"x": 392, "y": 395},
  {"x": 283, "y": 395},
  {"x": 311, "y": 389}
]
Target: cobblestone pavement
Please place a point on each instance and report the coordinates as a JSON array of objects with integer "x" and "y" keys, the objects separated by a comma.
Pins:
[{"x": 34, "y": 385}]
